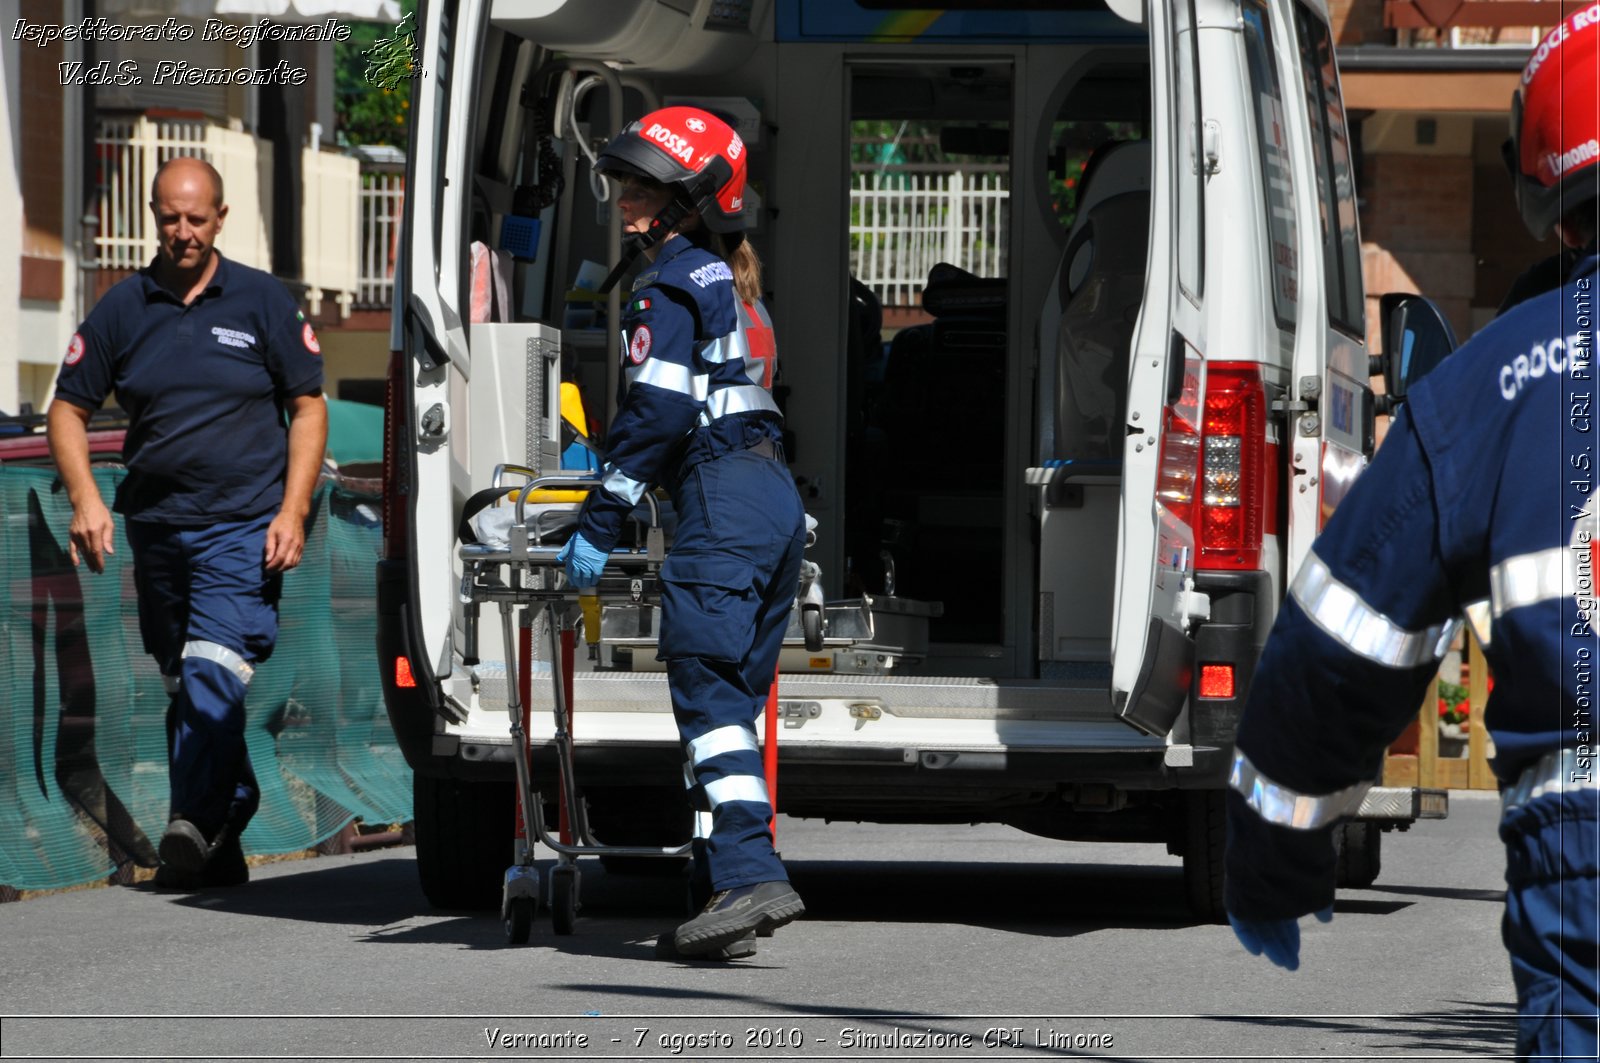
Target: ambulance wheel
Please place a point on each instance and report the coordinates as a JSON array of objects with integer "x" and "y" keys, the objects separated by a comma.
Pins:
[
  {"x": 519, "y": 920},
  {"x": 1357, "y": 848},
  {"x": 564, "y": 899},
  {"x": 811, "y": 625},
  {"x": 1204, "y": 839}
]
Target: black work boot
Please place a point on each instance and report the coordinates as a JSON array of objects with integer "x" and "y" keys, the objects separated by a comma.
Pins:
[
  {"x": 226, "y": 867},
  {"x": 184, "y": 847},
  {"x": 731, "y": 914}
]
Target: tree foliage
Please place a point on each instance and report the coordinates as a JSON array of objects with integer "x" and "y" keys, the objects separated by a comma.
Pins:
[{"x": 372, "y": 95}]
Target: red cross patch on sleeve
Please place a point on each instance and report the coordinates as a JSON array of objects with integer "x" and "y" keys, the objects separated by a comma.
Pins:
[{"x": 639, "y": 345}]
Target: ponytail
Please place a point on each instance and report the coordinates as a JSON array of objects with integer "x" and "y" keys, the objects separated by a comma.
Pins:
[{"x": 742, "y": 259}]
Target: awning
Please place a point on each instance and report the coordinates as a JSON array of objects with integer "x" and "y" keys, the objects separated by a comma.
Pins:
[{"x": 252, "y": 10}]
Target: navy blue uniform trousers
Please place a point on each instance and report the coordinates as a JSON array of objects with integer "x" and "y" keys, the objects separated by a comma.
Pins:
[
  {"x": 1550, "y": 926},
  {"x": 727, "y": 588},
  {"x": 208, "y": 613}
]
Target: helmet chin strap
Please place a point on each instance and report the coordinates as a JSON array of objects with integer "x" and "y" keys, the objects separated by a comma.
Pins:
[{"x": 638, "y": 243}]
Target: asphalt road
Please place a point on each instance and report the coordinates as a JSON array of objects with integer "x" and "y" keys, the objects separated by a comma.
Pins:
[{"x": 920, "y": 942}]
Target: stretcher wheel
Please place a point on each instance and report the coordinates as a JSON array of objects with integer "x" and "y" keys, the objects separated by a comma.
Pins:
[
  {"x": 811, "y": 625},
  {"x": 519, "y": 920},
  {"x": 564, "y": 899}
]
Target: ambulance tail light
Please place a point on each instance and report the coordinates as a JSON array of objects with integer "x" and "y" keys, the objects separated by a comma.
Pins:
[
  {"x": 396, "y": 517},
  {"x": 1180, "y": 448},
  {"x": 1230, "y": 511}
]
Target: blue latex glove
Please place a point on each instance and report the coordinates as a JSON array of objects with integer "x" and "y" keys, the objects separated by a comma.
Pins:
[
  {"x": 583, "y": 561},
  {"x": 1278, "y": 938}
]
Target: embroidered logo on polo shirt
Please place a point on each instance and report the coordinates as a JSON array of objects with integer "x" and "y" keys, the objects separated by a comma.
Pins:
[
  {"x": 639, "y": 346},
  {"x": 309, "y": 338},
  {"x": 232, "y": 337},
  {"x": 75, "y": 349}
]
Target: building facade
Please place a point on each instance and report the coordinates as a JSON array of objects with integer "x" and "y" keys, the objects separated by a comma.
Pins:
[{"x": 95, "y": 94}]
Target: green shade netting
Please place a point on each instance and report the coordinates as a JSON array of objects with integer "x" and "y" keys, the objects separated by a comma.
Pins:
[
  {"x": 355, "y": 432},
  {"x": 83, "y": 773}
]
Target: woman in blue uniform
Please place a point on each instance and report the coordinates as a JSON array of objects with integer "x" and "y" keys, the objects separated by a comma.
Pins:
[{"x": 692, "y": 418}]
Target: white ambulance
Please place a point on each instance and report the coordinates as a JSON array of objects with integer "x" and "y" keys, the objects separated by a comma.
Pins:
[{"x": 1057, "y": 509}]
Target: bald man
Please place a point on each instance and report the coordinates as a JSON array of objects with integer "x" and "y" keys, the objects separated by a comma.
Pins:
[{"x": 221, "y": 378}]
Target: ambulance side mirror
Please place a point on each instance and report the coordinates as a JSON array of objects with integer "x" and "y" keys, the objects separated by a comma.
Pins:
[{"x": 1416, "y": 338}]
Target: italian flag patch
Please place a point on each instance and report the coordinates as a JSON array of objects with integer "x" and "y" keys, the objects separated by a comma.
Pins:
[{"x": 638, "y": 306}]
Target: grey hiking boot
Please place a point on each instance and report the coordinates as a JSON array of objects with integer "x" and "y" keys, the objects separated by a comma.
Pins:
[
  {"x": 738, "y": 949},
  {"x": 731, "y": 914}
]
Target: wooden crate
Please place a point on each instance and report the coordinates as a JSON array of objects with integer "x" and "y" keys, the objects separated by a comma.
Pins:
[{"x": 1421, "y": 764}]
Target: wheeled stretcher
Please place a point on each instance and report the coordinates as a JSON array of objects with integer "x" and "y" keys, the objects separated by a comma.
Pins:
[{"x": 519, "y": 572}]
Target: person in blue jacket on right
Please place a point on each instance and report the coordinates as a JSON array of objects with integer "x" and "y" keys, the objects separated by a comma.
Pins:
[{"x": 1479, "y": 503}]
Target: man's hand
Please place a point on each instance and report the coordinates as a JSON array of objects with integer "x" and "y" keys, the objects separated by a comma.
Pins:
[
  {"x": 1279, "y": 939},
  {"x": 286, "y": 542},
  {"x": 90, "y": 536},
  {"x": 308, "y": 440}
]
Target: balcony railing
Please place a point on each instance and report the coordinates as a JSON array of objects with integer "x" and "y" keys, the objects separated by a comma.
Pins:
[
  {"x": 130, "y": 148},
  {"x": 903, "y": 222},
  {"x": 383, "y": 185},
  {"x": 349, "y": 207}
]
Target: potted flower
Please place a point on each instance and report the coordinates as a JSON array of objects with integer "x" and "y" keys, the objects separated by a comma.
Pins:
[{"x": 1454, "y": 721}]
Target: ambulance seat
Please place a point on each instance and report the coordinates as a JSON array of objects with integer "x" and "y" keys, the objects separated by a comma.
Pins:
[
  {"x": 944, "y": 425},
  {"x": 1094, "y": 302}
]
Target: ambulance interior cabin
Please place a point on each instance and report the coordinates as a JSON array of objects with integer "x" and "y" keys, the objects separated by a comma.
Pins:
[{"x": 951, "y": 207}]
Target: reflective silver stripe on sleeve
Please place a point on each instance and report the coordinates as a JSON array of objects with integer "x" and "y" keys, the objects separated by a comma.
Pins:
[
  {"x": 622, "y": 485},
  {"x": 689, "y": 782},
  {"x": 232, "y": 660},
  {"x": 1528, "y": 579},
  {"x": 1279, "y": 805},
  {"x": 736, "y": 788},
  {"x": 722, "y": 740},
  {"x": 1359, "y": 627},
  {"x": 702, "y": 824},
  {"x": 1478, "y": 619},
  {"x": 669, "y": 376},
  {"x": 726, "y": 348},
  {"x": 740, "y": 398}
]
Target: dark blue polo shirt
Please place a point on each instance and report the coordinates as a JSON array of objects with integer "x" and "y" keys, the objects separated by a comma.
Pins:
[{"x": 204, "y": 386}]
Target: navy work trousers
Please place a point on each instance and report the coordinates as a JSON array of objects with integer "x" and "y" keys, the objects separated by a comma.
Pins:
[
  {"x": 728, "y": 585},
  {"x": 1550, "y": 925},
  {"x": 208, "y": 612}
]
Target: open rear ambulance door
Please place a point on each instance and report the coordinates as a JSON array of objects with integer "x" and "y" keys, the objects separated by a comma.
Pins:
[
  {"x": 434, "y": 337},
  {"x": 1152, "y": 650}
]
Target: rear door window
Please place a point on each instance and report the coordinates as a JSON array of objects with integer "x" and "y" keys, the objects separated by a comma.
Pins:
[
  {"x": 1277, "y": 173},
  {"x": 1336, "y": 186}
]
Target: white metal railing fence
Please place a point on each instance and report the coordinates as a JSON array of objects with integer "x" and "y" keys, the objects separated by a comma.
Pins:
[
  {"x": 383, "y": 190},
  {"x": 130, "y": 148},
  {"x": 337, "y": 223},
  {"x": 903, "y": 222}
]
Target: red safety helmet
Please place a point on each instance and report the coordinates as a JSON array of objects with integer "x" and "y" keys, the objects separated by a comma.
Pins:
[
  {"x": 691, "y": 150},
  {"x": 1554, "y": 150}
]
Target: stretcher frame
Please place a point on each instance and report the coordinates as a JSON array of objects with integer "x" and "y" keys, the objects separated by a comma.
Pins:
[{"x": 525, "y": 576}]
